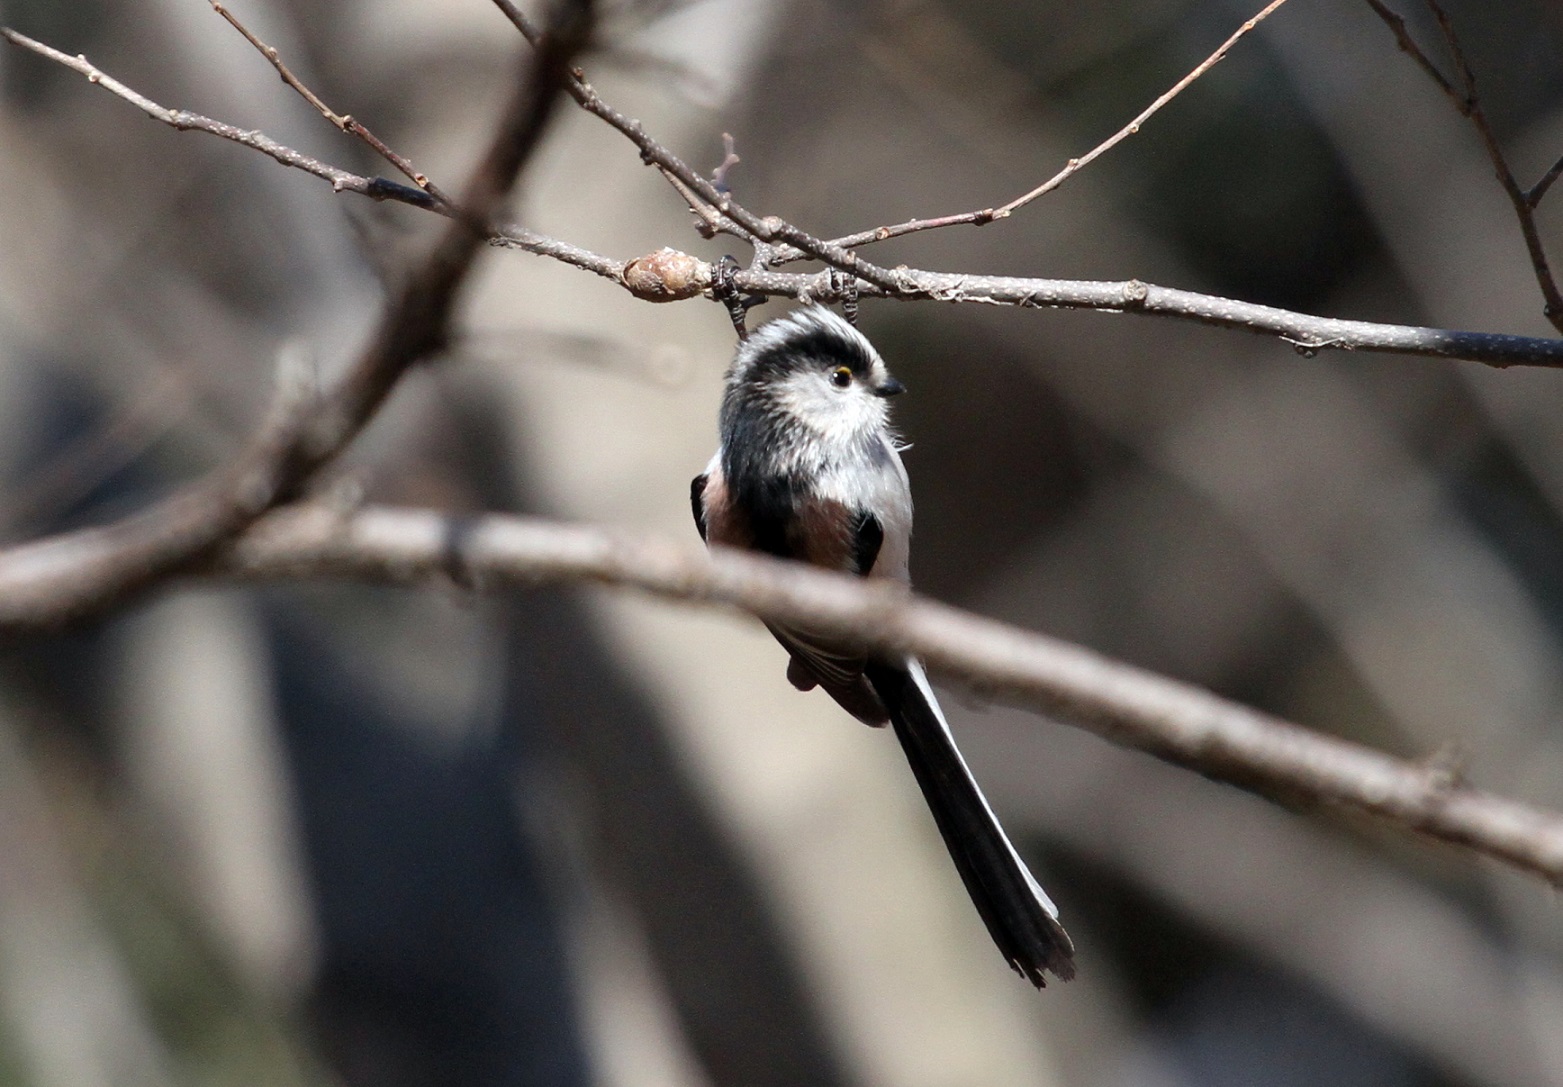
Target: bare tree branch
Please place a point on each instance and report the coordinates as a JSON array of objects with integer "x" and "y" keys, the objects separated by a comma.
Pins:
[
  {"x": 987, "y": 215},
  {"x": 343, "y": 122},
  {"x": 1306, "y": 333},
  {"x": 1397, "y": 26},
  {"x": 768, "y": 229},
  {"x": 1126, "y": 705},
  {"x": 76, "y": 573},
  {"x": 1534, "y": 194},
  {"x": 1466, "y": 100},
  {"x": 772, "y": 229},
  {"x": 1133, "y": 127},
  {"x": 90, "y": 569},
  {"x": 377, "y": 188}
]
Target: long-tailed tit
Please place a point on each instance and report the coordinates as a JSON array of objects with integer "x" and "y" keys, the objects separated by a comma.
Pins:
[{"x": 808, "y": 469}]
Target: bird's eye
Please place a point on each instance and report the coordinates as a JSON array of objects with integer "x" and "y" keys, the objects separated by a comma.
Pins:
[{"x": 841, "y": 377}]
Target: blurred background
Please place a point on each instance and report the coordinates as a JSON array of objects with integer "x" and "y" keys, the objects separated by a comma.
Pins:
[{"x": 325, "y": 834}]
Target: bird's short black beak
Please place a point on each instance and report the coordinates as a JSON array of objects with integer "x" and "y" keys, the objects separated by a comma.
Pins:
[{"x": 889, "y": 387}]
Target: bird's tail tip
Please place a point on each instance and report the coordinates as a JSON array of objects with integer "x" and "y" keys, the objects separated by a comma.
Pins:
[
  {"x": 1018, "y": 913},
  {"x": 1057, "y": 958}
]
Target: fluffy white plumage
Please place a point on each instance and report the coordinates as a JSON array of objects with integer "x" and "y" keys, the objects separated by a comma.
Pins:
[{"x": 808, "y": 468}]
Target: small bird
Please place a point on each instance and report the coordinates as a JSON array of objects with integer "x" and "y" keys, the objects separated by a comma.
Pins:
[{"x": 808, "y": 468}]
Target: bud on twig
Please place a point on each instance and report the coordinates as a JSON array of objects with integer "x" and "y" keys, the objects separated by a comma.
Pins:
[{"x": 666, "y": 276}]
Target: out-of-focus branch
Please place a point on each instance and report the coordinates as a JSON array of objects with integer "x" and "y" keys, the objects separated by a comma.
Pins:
[
  {"x": 1466, "y": 100},
  {"x": 1172, "y": 720},
  {"x": 96, "y": 453},
  {"x": 74, "y": 574}
]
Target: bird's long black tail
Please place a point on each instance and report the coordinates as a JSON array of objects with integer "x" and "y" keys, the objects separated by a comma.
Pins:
[{"x": 1021, "y": 918}]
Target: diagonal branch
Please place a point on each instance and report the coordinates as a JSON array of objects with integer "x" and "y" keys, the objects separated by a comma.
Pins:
[
  {"x": 1174, "y": 721},
  {"x": 1397, "y": 26},
  {"x": 428, "y": 197},
  {"x": 984, "y": 216},
  {"x": 77, "y": 573},
  {"x": 1469, "y": 104},
  {"x": 376, "y": 188},
  {"x": 1534, "y": 194},
  {"x": 343, "y": 122},
  {"x": 768, "y": 229}
]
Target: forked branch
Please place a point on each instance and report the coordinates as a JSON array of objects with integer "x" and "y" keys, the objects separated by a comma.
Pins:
[
  {"x": 1461, "y": 92},
  {"x": 1306, "y": 333},
  {"x": 85, "y": 572}
]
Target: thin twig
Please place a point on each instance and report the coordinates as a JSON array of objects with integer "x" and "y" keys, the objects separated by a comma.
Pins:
[
  {"x": 523, "y": 22},
  {"x": 511, "y": 236},
  {"x": 507, "y": 236},
  {"x": 984, "y": 216},
  {"x": 1534, "y": 194},
  {"x": 275, "y": 58},
  {"x": 342, "y": 121},
  {"x": 885, "y": 233},
  {"x": 768, "y": 229},
  {"x": 711, "y": 222},
  {"x": 1172, "y": 720},
  {"x": 85, "y": 572},
  {"x": 1468, "y": 102},
  {"x": 376, "y": 188},
  {"x": 729, "y": 160},
  {"x": 1408, "y": 46},
  {"x": 1305, "y": 333},
  {"x": 1522, "y": 207},
  {"x": 1133, "y": 127}
]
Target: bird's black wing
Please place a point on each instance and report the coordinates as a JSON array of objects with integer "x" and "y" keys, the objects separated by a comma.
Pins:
[
  {"x": 828, "y": 535},
  {"x": 868, "y": 536},
  {"x": 697, "y": 502}
]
